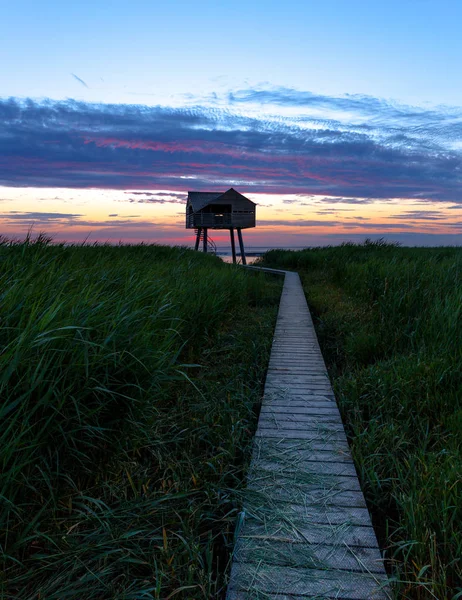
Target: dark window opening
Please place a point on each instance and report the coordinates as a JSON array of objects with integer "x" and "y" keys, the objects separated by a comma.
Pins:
[{"x": 217, "y": 208}]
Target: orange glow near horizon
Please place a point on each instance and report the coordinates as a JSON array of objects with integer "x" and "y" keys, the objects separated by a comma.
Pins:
[{"x": 158, "y": 216}]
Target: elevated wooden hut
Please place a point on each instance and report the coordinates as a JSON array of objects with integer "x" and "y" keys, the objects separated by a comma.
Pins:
[{"x": 217, "y": 210}]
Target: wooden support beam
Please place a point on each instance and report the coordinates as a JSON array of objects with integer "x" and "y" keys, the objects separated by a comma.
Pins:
[
  {"x": 198, "y": 237},
  {"x": 233, "y": 245},
  {"x": 241, "y": 246},
  {"x": 205, "y": 239}
]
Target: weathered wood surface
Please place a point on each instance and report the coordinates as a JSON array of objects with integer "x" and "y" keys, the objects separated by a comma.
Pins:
[{"x": 305, "y": 531}]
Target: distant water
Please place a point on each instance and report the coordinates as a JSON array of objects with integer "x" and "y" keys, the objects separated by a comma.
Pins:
[{"x": 252, "y": 253}]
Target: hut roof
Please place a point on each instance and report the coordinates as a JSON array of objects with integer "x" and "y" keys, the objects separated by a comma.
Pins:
[{"x": 200, "y": 199}]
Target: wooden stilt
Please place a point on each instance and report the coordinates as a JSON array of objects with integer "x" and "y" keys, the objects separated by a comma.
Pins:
[
  {"x": 233, "y": 245},
  {"x": 198, "y": 237},
  {"x": 241, "y": 246},
  {"x": 205, "y": 239}
]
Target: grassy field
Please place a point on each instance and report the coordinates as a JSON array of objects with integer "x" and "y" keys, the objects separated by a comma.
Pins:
[
  {"x": 129, "y": 381},
  {"x": 389, "y": 321}
]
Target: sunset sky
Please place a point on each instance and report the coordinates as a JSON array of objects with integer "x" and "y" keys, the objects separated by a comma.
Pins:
[{"x": 341, "y": 119}]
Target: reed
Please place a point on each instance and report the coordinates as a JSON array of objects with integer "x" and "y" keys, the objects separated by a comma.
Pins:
[{"x": 129, "y": 381}]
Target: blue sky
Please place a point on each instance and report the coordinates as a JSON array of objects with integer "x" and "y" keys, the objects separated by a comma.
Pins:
[
  {"x": 410, "y": 51},
  {"x": 349, "y": 103}
]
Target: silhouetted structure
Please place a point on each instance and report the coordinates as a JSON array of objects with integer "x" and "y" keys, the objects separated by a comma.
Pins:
[{"x": 217, "y": 210}]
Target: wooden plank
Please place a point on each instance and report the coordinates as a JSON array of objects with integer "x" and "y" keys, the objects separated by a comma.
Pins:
[
  {"x": 307, "y": 390},
  {"x": 283, "y": 398},
  {"x": 321, "y": 556},
  {"x": 302, "y": 408},
  {"x": 305, "y": 482},
  {"x": 289, "y": 393},
  {"x": 291, "y": 362},
  {"x": 308, "y": 360},
  {"x": 281, "y": 452},
  {"x": 301, "y": 353},
  {"x": 308, "y": 532},
  {"x": 289, "y": 416},
  {"x": 297, "y": 378},
  {"x": 302, "y": 368},
  {"x": 320, "y": 436},
  {"x": 298, "y": 412},
  {"x": 311, "y": 424},
  {"x": 316, "y": 467},
  {"x": 302, "y": 402},
  {"x": 307, "y": 583},
  {"x": 298, "y": 386},
  {"x": 300, "y": 389},
  {"x": 297, "y": 360},
  {"x": 307, "y": 514},
  {"x": 292, "y": 449},
  {"x": 286, "y": 338},
  {"x": 325, "y": 451},
  {"x": 291, "y": 419},
  {"x": 295, "y": 382},
  {"x": 294, "y": 345},
  {"x": 328, "y": 453},
  {"x": 271, "y": 492}
]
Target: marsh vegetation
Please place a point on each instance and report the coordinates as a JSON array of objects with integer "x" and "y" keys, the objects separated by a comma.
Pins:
[{"x": 129, "y": 381}]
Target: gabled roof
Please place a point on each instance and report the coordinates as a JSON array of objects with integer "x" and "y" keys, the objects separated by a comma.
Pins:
[{"x": 200, "y": 199}]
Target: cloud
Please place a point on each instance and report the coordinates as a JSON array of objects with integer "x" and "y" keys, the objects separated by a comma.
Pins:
[
  {"x": 319, "y": 223},
  {"x": 383, "y": 151},
  {"x": 333, "y": 211},
  {"x": 299, "y": 223},
  {"x": 177, "y": 195},
  {"x": 156, "y": 201},
  {"x": 53, "y": 219},
  {"x": 158, "y": 197},
  {"x": 126, "y": 216},
  {"x": 362, "y": 111},
  {"x": 39, "y": 216},
  {"x": 350, "y": 200},
  {"x": 80, "y": 80},
  {"x": 425, "y": 215}
]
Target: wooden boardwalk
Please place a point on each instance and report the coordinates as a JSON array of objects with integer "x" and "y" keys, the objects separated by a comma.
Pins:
[{"x": 305, "y": 531}]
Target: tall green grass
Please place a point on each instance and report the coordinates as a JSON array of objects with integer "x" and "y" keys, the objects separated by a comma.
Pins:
[
  {"x": 389, "y": 321},
  {"x": 129, "y": 378}
]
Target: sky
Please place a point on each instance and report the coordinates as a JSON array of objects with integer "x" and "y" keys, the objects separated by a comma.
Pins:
[{"x": 341, "y": 119}]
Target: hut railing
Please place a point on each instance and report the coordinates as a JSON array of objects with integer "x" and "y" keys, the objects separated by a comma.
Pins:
[
  {"x": 210, "y": 219},
  {"x": 201, "y": 219}
]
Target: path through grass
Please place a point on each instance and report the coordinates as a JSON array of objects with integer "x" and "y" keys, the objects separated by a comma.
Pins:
[{"x": 389, "y": 321}]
